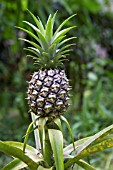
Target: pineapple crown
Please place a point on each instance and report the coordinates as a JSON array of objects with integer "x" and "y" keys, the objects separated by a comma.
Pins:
[{"x": 48, "y": 51}]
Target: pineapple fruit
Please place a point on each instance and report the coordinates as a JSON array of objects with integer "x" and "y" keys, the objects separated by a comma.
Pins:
[{"x": 48, "y": 90}]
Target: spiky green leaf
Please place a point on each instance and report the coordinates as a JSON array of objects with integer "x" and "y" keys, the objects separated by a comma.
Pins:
[
  {"x": 38, "y": 23},
  {"x": 63, "y": 23},
  {"x": 48, "y": 43},
  {"x": 32, "y": 51},
  {"x": 35, "y": 49},
  {"x": 30, "y": 33},
  {"x": 58, "y": 40},
  {"x": 46, "y": 56},
  {"x": 32, "y": 43},
  {"x": 66, "y": 46},
  {"x": 52, "y": 51},
  {"x": 65, "y": 52},
  {"x": 49, "y": 30},
  {"x": 43, "y": 41},
  {"x": 62, "y": 32},
  {"x": 66, "y": 40},
  {"x": 54, "y": 16}
]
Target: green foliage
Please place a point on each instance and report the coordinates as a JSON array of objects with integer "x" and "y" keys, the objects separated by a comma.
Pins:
[
  {"x": 48, "y": 53},
  {"x": 57, "y": 147},
  {"x": 26, "y": 156}
]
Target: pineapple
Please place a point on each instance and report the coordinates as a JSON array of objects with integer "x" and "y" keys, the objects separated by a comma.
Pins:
[{"x": 48, "y": 90}]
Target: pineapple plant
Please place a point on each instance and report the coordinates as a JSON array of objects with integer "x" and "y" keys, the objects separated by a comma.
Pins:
[
  {"x": 48, "y": 90},
  {"x": 48, "y": 94}
]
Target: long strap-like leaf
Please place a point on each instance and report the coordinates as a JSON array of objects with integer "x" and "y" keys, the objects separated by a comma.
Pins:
[
  {"x": 85, "y": 165},
  {"x": 17, "y": 153},
  {"x": 56, "y": 140},
  {"x": 82, "y": 150}
]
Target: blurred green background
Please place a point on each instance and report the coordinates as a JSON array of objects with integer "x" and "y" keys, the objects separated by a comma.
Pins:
[{"x": 90, "y": 69}]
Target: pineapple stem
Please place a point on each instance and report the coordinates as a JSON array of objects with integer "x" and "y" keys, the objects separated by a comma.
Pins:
[
  {"x": 36, "y": 132},
  {"x": 47, "y": 150},
  {"x": 44, "y": 139}
]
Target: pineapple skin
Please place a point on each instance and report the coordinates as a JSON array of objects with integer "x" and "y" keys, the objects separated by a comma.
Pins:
[{"x": 48, "y": 93}]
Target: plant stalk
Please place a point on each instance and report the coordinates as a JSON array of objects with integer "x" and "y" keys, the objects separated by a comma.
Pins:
[{"x": 36, "y": 132}]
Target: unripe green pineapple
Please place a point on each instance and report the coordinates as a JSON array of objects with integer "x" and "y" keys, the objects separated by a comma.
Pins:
[{"x": 48, "y": 90}]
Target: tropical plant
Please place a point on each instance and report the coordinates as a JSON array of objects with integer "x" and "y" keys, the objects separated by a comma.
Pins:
[{"x": 48, "y": 95}]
